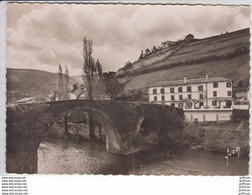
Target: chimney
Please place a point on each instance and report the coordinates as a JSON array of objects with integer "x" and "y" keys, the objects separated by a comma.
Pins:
[
  {"x": 206, "y": 77},
  {"x": 185, "y": 79}
]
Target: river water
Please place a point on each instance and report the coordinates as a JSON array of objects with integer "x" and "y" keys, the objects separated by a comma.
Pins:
[{"x": 59, "y": 156}]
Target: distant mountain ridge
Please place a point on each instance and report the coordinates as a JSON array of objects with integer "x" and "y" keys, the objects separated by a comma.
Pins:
[
  {"x": 225, "y": 55},
  {"x": 30, "y": 82}
]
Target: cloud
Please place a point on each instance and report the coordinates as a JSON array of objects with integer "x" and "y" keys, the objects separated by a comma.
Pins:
[{"x": 43, "y": 36}]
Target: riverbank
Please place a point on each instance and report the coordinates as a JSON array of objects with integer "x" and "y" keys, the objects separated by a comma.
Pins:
[
  {"x": 60, "y": 156},
  {"x": 218, "y": 137}
]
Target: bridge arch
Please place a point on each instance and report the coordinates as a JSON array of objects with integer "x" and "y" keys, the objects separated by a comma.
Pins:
[{"x": 113, "y": 139}]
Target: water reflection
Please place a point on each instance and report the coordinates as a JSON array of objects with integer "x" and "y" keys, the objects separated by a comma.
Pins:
[{"x": 59, "y": 156}]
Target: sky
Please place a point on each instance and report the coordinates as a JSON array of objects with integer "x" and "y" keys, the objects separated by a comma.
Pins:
[{"x": 42, "y": 36}]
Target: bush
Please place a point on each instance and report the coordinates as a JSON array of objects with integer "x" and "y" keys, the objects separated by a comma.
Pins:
[{"x": 216, "y": 137}]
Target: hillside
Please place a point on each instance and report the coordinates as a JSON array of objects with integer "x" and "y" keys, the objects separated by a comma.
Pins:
[
  {"x": 27, "y": 82},
  {"x": 224, "y": 55}
]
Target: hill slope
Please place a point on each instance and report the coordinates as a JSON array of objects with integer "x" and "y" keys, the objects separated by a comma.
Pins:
[
  {"x": 224, "y": 55},
  {"x": 28, "y": 82}
]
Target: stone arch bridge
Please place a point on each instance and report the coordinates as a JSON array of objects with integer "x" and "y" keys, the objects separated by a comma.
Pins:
[{"x": 127, "y": 126}]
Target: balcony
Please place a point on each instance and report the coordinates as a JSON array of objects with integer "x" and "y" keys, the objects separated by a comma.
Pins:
[{"x": 204, "y": 108}]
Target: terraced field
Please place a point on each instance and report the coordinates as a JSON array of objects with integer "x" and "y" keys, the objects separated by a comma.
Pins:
[{"x": 224, "y": 55}]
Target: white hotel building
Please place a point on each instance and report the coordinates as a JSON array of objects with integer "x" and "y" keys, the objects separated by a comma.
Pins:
[{"x": 202, "y": 99}]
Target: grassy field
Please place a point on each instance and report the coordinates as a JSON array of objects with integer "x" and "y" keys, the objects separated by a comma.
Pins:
[{"x": 236, "y": 68}]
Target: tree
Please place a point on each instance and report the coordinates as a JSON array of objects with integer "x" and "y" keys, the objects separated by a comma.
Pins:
[
  {"x": 60, "y": 84},
  {"x": 154, "y": 49},
  {"x": 163, "y": 44},
  {"x": 240, "y": 84},
  {"x": 98, "y": 69},
  {"x": 88, "y": 70},
  {"x": 74, "y": 86},
  {"x": 112, "y": 86},
  {"x": 141, "y": 56},
  {"x": 147, "y": 51},
  {"x": 66, "y": 84}
]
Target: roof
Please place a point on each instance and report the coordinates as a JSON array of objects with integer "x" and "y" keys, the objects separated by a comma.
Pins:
[
  {"x": 77, "y": 92},
  {"x": 35, "y": 99},
  {"x": 190, "y": 81},
  {"x": 25, "y": 100}
]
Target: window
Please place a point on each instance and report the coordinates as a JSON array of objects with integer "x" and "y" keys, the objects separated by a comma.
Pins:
[
  {"x": 229, "y": 93},
  {"x": 180, "y": 105},
  {"x": 172, "y": 104},
  {"x": 155, "y": 98},
  {"x": 201, "y": 96},
  {"x": 200, "y": 88},
  {"x": 215, "y": 85},
  {"x": 214, "y": 103},
  {"x": 162, "y": 90},
  {"x": 163, "y": 98},
  {"x": 172, "y": 90},
  {"x": 189, "y": 105},
  {"x": 189, "y": 96},
  {"x": 154, "y": 91},
  {"x": 180, "y": 97},
  {"x": 215, "y": 93},
  {"x": 180, "y": 89},
  {"x": 172, "y": 97},
  {"x": 228, "y": 103},
  {"x": 189, "y": 89},
  {"x": 229, "y": 84},
  {"x": 201, "y": 104}
]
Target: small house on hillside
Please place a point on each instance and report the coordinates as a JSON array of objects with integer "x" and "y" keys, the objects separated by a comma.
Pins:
[
  {"x": 79, "y": 93},
  {"x": 52, "y": 96}
]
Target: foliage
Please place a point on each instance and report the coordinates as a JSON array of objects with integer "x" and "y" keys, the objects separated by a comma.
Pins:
[
  {"x": 98, "y": 69},
  {"x": 127, "y": 67},
  {"x": 112, "y": 86},
  {"x": 66, "y": 84},
  {"x": 75, "y": 86},
  {"x": 217, "y": 137},
  {"x": 154, "y": 48},
  {"x": 60, "y": 83},
  {"x": 88, "y": 68},
  {"x": 147, "y": 51},
  {"x": 63, "y": 84}
]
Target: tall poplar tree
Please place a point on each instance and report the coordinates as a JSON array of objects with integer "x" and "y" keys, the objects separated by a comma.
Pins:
[
  {"x": 88, "y": 71},
  {"x": 66, "y": 84},
  {"x": 60, "y": 83},
  {"x": 98, "y": 68}
]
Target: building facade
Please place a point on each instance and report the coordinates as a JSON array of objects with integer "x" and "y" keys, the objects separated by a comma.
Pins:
[{"x": 202, "y": 99}]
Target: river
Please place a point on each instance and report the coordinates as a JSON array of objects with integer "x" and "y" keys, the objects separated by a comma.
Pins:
[{"x": 59, "y": 156}]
